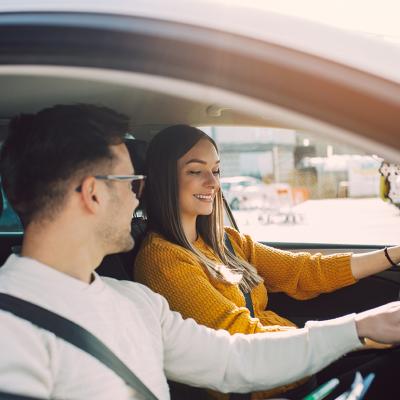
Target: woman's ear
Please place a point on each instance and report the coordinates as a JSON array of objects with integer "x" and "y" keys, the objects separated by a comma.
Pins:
[{"x": 90, "y": 195}]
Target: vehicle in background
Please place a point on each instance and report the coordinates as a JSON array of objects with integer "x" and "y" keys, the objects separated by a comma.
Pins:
[
  {"x": 274, "y": 202},
  {"x": 244, "y": 192}
]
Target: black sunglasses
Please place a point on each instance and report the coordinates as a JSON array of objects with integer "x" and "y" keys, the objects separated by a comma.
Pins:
[{"x": 137, "y": 182}]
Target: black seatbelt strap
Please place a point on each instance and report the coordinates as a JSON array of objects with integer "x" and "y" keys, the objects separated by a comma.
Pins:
[
  {"x": 249, "y": 306},
  {"x": 249, "y": 303},
  {"x": 11, "y": 396},
  {"x": 74, "y": 334}
]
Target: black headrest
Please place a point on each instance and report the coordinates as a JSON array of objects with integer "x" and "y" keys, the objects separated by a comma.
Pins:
[{"x": 137, "y": 150}]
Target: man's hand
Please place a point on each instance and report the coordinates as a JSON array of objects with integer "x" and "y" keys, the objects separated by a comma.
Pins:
[{"x": 381, "y": 324}]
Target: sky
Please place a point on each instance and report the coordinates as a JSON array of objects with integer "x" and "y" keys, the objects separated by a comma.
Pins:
[{"x": 374, "y": 17}]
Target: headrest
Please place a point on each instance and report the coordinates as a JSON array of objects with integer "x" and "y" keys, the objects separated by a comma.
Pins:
[{"x": 137, "y": 150}]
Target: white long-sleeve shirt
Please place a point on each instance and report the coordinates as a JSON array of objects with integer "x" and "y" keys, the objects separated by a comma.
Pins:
[{"x": 138, "y": 326}]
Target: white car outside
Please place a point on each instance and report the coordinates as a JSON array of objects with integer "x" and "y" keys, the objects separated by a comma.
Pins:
[
  {"x": 244, "y": 192},
  {"x": 273, "y": 201}
]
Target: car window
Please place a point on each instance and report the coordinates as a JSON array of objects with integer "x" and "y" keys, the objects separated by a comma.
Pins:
[
  {"x": 9, "y": 221},
  {"x": 225, "y": 185},
  {"x": 293, "y": 186}
]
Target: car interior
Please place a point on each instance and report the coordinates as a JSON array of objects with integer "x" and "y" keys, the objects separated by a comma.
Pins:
[
  {"x": 154, "y": 102},
  {"x": 150, "y": 111},
  {"x": 160, "y": 69}
]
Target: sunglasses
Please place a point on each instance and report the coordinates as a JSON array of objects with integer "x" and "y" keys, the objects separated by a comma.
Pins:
[{"x": 137, "y": 182}]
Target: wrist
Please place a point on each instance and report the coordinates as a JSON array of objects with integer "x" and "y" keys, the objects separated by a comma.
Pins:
[
  {"x": 389, "y": 258},
  {"x": 362, "y": 326}
]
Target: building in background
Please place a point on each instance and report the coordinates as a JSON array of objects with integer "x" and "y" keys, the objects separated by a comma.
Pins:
[{"x": 316, "y": 168}]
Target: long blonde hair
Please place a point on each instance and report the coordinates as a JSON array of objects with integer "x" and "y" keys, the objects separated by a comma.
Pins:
[{"x": 163, "y": 213}]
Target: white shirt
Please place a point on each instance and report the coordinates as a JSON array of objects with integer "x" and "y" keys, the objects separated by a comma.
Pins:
[{"x": 154, "y": 342}]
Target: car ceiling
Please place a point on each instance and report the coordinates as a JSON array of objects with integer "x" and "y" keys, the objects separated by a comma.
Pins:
[
  {"x": 149, "y": 110},
  {"x": 150, "y": 102}
]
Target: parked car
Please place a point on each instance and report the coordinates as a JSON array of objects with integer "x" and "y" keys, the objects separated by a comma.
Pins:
[
  {"x": 206, "y": 63},
  {"x": 244, "y": 192}
]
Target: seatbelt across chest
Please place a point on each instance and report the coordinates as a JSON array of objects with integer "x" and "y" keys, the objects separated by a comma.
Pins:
[
  {"x": 247, "y": 297},
  {"x": 249, "y": 306},
  {"x": 75, "y": 335}
]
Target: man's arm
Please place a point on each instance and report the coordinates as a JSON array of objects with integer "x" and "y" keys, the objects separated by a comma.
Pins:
[
  {"x": 200, "y": 356},
  {"x": 203, "y": 357}
]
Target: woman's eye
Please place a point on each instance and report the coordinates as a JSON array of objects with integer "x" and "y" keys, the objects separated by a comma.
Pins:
[
  {"x": 194, "y": 172},
  {"x": 217, "y": 173}
]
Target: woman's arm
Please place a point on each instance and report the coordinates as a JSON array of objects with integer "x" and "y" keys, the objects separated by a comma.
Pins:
[
  {"x": 366, "y": 264},
  {"x": 178, "y": 277},
  {"x": 301, "y": 275}
]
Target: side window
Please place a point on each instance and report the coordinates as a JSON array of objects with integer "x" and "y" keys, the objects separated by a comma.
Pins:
[
  {"x": 285, "y": 185},
  {"x": 9, "y": 221}
]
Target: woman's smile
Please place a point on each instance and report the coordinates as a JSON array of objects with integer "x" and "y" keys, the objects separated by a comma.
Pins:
[{"x": 209, "y": 198}]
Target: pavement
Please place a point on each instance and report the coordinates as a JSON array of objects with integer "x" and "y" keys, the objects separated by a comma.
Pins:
[{"x": 341, "y": 221}]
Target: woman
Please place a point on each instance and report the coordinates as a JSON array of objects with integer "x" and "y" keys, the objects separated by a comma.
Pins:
[{"x": 187, "y": 258}]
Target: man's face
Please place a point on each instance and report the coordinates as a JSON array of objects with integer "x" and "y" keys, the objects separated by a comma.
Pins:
[{"x": 115, "y": 228}]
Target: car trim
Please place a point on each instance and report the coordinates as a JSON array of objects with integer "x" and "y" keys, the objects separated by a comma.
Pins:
[{"x": 213, "y": 58}]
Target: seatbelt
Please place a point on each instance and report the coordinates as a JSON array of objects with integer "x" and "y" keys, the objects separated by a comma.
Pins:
[
  {"x": 247, "y": 297},
  {"x": 75, "y": 335},
  {"x": 249, "y": 306},
  {"x": 11, "y": 396}
]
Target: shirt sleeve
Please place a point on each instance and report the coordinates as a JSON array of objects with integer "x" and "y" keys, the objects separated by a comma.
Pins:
[
  {"x": 200, "y": 356},
  {"x": 300, "y": 275},
  {"x": 25, "y": 364},
  {"x": 182, "y": 281}
]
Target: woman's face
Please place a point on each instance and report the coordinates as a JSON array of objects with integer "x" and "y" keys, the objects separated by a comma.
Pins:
[{"x": 198, "y": 179}]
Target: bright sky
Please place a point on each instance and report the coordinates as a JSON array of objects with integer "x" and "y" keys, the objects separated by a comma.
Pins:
[{"x": 377, "y": 17}]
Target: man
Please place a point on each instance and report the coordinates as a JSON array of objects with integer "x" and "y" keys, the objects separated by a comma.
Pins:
[{"x": 68, "y": 174}]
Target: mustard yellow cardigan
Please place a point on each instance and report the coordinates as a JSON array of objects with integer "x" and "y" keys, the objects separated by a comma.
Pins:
[{"x": 175, "y": 273}]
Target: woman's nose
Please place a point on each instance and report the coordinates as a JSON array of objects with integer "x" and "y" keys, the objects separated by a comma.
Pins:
[{"x": 212, "y": 180}]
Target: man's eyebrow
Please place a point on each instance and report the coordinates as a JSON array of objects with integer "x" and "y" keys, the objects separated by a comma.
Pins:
[{"x": 196, "y": 160}]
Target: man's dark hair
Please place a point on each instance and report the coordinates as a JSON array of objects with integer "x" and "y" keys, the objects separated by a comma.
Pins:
[{"x": 44, "y": 151}]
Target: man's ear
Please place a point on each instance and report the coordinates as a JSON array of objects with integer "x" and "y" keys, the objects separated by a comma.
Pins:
[{"x": 90, "y": 194}]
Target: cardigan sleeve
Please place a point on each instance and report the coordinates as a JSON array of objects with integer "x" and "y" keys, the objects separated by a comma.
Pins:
[
  {"x": 174, "y": 273},
  {"x": 300, "y": 275}
]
